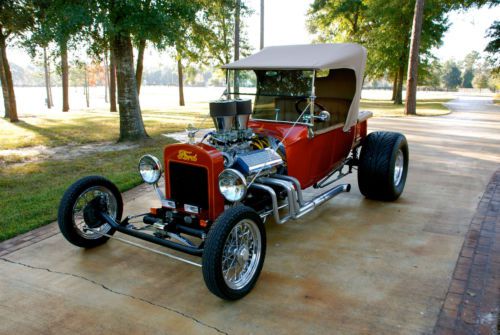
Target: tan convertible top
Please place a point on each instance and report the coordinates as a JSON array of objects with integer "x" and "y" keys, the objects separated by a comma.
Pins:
[
  {"x": 311, "y": 57},
  {"x": 306, "y": 56}
]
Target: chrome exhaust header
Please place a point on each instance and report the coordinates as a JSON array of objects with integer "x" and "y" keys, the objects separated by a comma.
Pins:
[{"x": 296, "y": 206}]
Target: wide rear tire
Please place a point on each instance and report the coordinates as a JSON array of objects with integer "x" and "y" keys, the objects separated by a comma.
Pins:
[
  {"x": 234, "y": 253},
  {"x": 383, "y": 166},
  {"x": 78, "y": 217}
]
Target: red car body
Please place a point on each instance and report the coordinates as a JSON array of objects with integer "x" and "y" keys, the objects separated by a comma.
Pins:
[{"x": 308, "y": 159}]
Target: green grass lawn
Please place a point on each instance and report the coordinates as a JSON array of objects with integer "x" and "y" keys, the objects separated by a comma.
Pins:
[
  {"x": 30, "y": 192},
  {"x": 428, "y": 107},
  {"x": 59, "y": 128}
]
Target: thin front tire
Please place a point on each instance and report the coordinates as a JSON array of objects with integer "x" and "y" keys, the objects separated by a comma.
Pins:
[
  {"x": 234, "y": 253},
  {"x": 78, "y": 217}
]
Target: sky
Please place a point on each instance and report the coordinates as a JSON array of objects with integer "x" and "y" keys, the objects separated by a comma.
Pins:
[{"x": 284, "y": 22}]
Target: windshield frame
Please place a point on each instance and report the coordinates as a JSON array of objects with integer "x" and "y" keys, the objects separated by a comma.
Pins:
[{"x": 311, "y": 98}]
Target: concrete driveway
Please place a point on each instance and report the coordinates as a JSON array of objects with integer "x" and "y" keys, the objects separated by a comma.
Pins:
[{"x": 354, "y": 266}]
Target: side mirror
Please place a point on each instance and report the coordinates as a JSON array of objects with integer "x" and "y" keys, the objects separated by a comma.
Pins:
[{"x": 323, "y": 116}]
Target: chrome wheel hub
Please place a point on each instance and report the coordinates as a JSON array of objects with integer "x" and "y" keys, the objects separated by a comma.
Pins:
[
  {"x": 241, "y": 254},
  {"x": 399, "y": 167},
  {"x": 87, "y": 198}
]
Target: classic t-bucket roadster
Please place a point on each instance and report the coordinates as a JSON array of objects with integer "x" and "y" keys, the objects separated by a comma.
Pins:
[{"x": 289, "y": 121}]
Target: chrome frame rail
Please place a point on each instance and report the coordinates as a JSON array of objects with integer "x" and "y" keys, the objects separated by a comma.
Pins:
[
  {"x": 191, "y": 250},
  {"x": 140, "y": 246}
]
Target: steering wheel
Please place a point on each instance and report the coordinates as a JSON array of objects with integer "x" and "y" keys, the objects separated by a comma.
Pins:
[{"x": 302, "y": 103}]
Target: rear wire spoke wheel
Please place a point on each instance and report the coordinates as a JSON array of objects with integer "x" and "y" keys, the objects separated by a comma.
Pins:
[
  {"x": 79, "y": 216},
  {"x": 234, "y": 253}
]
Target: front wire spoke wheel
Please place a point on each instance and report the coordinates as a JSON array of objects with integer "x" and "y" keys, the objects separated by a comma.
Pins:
[
  {"x": 234, "y": 253},
  {"x": 245, "y": 256},
  {"x": 90, "y": 230},
  {"x": 79, "y": 216}
]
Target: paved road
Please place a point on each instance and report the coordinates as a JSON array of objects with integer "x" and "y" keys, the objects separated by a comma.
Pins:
[{"x": 354, "y": 266}]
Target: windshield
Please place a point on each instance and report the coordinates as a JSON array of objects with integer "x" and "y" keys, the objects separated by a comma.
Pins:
[{"x": 276, "y": 94}]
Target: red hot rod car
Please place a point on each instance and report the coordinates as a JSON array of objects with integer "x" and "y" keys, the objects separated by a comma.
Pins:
[{"x": 289, "y": 120}]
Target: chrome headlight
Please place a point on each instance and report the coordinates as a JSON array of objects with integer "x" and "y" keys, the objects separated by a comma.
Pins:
[
  {"x": 232, "y": 185},
  {"x": 150, "y": 169}
]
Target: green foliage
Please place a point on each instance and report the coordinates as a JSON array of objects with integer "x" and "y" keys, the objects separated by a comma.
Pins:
[
  {"x": 471, "y": 60},
  {"x": 59, "y": 22},
  {"x": 467, "y": 78},
  {"x": 481, "y": 79},
  {"x": 15, "y": 17},
  {"x": 382, "y": 26},
  {"x": 338, "y": 20},
  {"x": 493, "y": 47},
  {"x": 158, "y": 21},
  {"x": 214, "y": 31},
  {"x": 494, "y": 34},
  {"x": 431, "y": 75},
  {"x": 464, "y": 4},
  {"x": 208, "y": 39},
  {"x": 451, "y": 75},
  {"x": 193, "y": 41},
  {"x": 469, "y": 67}
]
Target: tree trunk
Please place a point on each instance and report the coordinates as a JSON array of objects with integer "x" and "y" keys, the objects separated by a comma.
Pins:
[
  {"x": 106, "y": 77},
  {"x": 65, "y": 75},
  {"x": 261, "y": 24},
  {"x": 237, "y": 44},
  {"x": 112, "y": 81},
  {"x": 50, "y": 86},
  {"x": 8, "y": 80},
  {"x": 237, "y": 30},
  {"x": 181, "y": 81},
  {"x": 47, "y": 78},
  {"x": 87, "y": 98},
  {"x": 139, "y": 68},
  {"x": 5, "y": 88},
  {"x": 226, "y": 42},
  {"x": 394, "y": 86},
  {"x": 411, "y": 86},
  {"x": 131, "y": 124},
  {"x": 398, "y": 100}
]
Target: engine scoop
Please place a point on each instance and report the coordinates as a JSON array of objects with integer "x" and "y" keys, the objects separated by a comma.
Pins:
[
  {"x": 243, "y": 111},
  {"x": 223, "y": 113}
]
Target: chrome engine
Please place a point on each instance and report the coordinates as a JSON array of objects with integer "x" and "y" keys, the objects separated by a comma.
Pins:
[
  {"x": 242, "y": 149},
  {"x": 255, "y": 171}
]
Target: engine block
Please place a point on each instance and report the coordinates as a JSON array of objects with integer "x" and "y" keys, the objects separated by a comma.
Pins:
[{"x": 254, "y": 161}]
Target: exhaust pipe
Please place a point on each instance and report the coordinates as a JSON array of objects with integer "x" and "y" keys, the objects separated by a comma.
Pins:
[
  {"x": 274, "y": 201},
  {"x": 296, "y": 183},
  {"x": 293, "y": 206},
  {"x": 294, "y": 209},
  {"x": 324, "y": 197}
]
